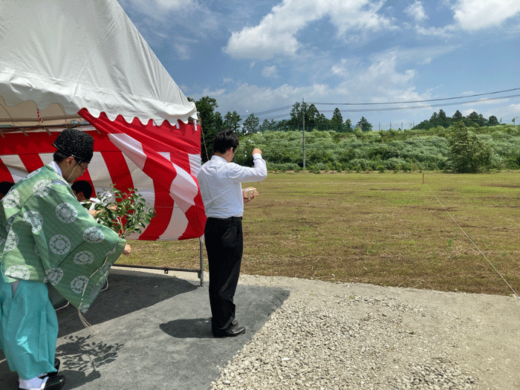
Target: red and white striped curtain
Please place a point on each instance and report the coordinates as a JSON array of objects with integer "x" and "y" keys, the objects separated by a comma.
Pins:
[{"x": 162, "y": 162}]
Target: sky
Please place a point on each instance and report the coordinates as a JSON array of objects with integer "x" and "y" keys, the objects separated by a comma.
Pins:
[{"x": 264, "y": 55}]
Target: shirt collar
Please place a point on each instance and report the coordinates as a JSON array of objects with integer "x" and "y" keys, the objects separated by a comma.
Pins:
[
  {"x": 218, "y": 159},
  {"x": 56, "y": 167}
]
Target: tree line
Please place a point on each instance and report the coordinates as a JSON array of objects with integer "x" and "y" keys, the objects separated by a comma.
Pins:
[{"x": 464, "y": 144}]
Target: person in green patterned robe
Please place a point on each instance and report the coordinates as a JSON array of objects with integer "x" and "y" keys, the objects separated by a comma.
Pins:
[{"x": 47, "y": 236}]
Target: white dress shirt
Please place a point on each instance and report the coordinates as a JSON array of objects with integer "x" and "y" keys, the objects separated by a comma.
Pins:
[{"x": 220, "y": 185}]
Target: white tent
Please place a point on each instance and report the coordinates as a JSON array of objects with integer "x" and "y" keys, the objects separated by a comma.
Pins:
[{"x": 76, "y": 62}]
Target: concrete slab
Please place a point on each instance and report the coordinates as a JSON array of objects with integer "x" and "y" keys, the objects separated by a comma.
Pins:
[{"x": 151, "y": 331}]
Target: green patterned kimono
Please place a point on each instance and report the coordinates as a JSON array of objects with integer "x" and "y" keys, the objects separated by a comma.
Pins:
[{"x": 47, "y": 236}]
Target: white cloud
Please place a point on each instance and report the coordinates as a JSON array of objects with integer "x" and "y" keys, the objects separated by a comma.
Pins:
[
  {"x": 416, "y": 11},
  {"x": 227, "y": 80},
  {"x": 442, "y": 32},
  {"x": 474, "y": 15},
  {"x": 377, "y": 81},
  {"x": 270, "y": 72},
  {"x": 276, "y": 34}
]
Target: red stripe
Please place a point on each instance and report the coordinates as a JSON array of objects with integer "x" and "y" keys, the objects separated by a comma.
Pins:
[
  {"x": 164, "y": 209},
  {"x": 197, "y": 220},
  {"x": 178, "y": 141},
  {"x": 31, "y": 162},
  {"x": 118, "y": 170},
  {"x": 5, "y": 175}
]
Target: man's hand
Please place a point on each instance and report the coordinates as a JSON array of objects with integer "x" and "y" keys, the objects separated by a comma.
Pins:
[
  {"x": 127, "y": 250},
  {"x": 256, "y": 150}
]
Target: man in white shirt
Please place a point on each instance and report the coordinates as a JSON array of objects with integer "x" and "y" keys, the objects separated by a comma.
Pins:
[{"x": 220, "y": 184}]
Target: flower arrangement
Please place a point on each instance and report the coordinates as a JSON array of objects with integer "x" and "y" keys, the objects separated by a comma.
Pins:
[{"x": 123, "y": 212}]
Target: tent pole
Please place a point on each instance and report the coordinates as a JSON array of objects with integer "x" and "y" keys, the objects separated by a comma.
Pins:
[{"x": 201, "y": 273}]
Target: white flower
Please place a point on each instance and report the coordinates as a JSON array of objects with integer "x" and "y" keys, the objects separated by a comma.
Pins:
[
  {"x": 54, "y": 275},
  {"x": 84, "y": 257},
  {"x": 34, "y": 219},
  {"x": 93, "y": 235},
  {"x": 11, "y": 199},
  {"x": 66, "y": 212},
  {"x": 78, "y": 284},
  {"x": 11, "y": 242},
  {"x": 59, "y": 244},
  {"x": 42, "y": 188},
  {"x": 18, "y": 272}
]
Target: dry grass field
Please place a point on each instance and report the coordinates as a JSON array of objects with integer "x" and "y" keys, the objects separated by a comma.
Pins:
[{"x": 385, "y": 229}]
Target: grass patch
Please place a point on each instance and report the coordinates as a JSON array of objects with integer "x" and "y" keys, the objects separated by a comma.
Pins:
[{"x": 370, "y": 228}]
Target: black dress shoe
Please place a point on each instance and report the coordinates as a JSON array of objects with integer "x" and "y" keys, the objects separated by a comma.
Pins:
[
  {"x": 56, "y": 366},
  {"x": 54, "y": 383},
  {"x": 232, "y": 331}
]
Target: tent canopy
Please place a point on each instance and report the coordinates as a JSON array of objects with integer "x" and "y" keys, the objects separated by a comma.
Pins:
[{"x": 76, "y": 62}]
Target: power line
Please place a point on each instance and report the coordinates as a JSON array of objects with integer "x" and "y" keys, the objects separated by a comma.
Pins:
[
  {"x": 273, "y": 110},
  {"x": 420, "y": 101},
  {"x": 424, "y": 105},
  {"x": 414, "y": 107}
]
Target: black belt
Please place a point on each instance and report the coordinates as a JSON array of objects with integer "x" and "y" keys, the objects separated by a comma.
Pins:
[{"x": 230, "y": 219}]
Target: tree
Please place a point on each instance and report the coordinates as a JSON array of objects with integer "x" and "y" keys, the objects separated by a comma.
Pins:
[
  {"x": 348, "y": 126},
  {"x": 232, "y": 121},
  {"x": 473, "y": 117},
  {"x": 311, "y": 116},
  {"x": 209, "y": 120},
  {"x": 442, "y": 119},
  {"x": 457, "y": 116},
  {"x": 337, "y": 120},
  {"x": 467, "y": 153},
  {"x": 493, "y": 121},
  {"x": 364, "y": 125},
  {"x": 251, "y": 124}
]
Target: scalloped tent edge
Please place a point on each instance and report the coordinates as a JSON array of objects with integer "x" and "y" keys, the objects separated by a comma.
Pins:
[{"x": 68, "y": 60}]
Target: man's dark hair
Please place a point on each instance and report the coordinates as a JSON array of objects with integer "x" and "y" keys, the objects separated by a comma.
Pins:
[
  {"x": 5, "y": 186},
  {"x": 224, "y": 140},
  {"x": 82, "y": 186},
  {"x": 59, "y": 157}
]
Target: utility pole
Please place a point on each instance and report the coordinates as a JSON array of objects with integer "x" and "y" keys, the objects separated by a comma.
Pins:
[{"x": 303, "y": 134}]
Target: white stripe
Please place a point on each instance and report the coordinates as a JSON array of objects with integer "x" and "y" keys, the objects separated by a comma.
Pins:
[
  {"x": 130, "y": 147},
  {"x": 195, "y": 163},
  {"x": 142, "y": 182},
  {"x": 14, "y": 164},
  {"x": 47, "y": 158},
  {"x": 177, "y": 226},
  {"x": 99, "y": 173},
  {"x": 183, "y": 189},
  {"x": 166, "y": 155}
]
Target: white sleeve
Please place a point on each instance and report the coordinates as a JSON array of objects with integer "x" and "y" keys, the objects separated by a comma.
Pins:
[{"x": 247, "y": 175}]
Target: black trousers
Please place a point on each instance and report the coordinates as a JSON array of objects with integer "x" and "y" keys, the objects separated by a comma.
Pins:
[{"x": 224, "y": 244}]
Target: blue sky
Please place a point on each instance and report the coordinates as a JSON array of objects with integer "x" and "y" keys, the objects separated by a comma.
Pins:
[{"x": 254, "y": 56}]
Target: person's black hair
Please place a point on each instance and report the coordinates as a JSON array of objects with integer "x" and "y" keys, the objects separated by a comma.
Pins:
[
  {"x": 58, "y": 156},
  {"x": 224, "y": 140},
  {"x": 82, "y": 186},
  {"x": 5, "y": 186}
]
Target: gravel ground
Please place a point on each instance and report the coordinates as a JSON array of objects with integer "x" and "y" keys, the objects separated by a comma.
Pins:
[{"x": 358, "y": 336}]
